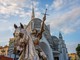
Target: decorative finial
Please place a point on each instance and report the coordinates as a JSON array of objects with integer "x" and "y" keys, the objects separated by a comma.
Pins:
[
  {"x": 33, "y": 14},
  {"x": 60, "y": 35}
]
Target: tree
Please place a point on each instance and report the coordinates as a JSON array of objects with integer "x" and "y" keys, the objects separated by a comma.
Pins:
[{"x": 78, "y": 50}]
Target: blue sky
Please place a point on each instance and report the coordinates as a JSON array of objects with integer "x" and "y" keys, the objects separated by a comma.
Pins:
[{"x": 64, "y": 16}]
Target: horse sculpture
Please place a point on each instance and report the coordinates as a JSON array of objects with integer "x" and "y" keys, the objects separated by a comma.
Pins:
[
  {"x": 25, "y": 47},
  {"x": 27, "y": 44}
]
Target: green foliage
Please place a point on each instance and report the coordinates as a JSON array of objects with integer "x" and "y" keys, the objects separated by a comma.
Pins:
[
  {"x": 78, "y": 50},
  {"x": 10, "y": 43}
]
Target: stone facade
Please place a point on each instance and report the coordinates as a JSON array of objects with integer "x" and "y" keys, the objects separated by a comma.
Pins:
[
  {"x": 56, "y": 47},
  {"x": 4, "y": 50}
]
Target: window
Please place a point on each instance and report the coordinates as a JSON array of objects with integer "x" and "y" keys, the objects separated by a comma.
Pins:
[{"x": 32, "y": 25}]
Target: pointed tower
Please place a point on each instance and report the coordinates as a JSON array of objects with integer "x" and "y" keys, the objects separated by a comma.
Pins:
[
  {"x": 60, "y": 36},
  {"x": 33, "y": 14}
]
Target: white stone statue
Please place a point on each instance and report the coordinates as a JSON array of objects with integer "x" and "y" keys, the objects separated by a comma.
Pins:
[{"x": 25, "y": 47}]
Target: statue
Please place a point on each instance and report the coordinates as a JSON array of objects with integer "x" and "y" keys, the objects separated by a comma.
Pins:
[
  {"x": 36, "y": 36},
  {"x": 24, "y": 45},
  {"x": 39, "y": 34}
]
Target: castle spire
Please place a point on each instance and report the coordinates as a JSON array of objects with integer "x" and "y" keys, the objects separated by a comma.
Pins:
[
  {"x": 33, "y": 14},
  {"x": 60, "y": 35}
]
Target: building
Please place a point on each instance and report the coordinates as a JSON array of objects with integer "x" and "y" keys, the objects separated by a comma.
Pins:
[
  {"x": 73, "y": 56},
  {"x": 54, "y": 47},
  {"x": 4, "y": 50}
]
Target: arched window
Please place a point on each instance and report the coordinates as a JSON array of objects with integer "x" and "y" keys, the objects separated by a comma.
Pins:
[{"x": 32, "y": 25}]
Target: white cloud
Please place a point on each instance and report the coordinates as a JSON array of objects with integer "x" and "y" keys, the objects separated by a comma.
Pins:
[
  {"x": 60, "y": 4},
  {"x": 57, "y": 3},
  {"x": 66, "y": 22},
  {"x": 47, "y": 5},
  {"x": 9, "y": 6},
  {"x": 4, "y": 25},
  {"x": 15, "y": 7},
  {"x": 67, "y": 30}
]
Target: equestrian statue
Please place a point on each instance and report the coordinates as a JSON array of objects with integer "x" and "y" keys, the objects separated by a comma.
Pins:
[{"x": 26, "y": 45}]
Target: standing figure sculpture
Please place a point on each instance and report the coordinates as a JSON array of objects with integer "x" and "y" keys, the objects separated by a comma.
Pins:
[{"x": 36, "y": 36}]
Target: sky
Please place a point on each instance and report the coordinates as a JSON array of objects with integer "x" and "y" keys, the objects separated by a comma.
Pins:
[{"x": 64, "y": 16}]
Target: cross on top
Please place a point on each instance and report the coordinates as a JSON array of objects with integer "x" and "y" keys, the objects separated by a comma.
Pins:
[
  {"x": 45, "y": 12},
  {"x": 44, "y": 18}
]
